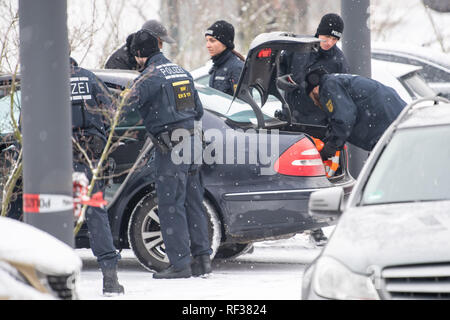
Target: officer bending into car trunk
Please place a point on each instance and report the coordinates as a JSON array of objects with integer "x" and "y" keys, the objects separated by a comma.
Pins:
[
  {"x": 88, "y": 95},
  {"x": 168, "y": 102},
  {"x": 358, "y": 109}
]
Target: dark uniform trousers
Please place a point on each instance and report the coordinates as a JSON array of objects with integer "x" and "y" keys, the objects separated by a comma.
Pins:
[
  {"x": 100, "y": 236},
  {"x": 182, "y": 216}
]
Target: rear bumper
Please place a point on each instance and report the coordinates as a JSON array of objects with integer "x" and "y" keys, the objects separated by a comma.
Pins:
[{"x": 258, "y": 215}]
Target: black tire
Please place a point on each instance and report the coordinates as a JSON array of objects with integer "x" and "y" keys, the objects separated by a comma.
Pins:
[
  {"x": 145, "y": 238},
  {"x": 233, "y": 250}
]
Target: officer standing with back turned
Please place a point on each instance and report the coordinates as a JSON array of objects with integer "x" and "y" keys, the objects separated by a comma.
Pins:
[
  {"x": 167, "y": 100},
  {"x": 88, "y": 95}
]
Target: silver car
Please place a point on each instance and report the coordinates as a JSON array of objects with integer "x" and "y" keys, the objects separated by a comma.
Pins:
[{"x": 392, "y": 239}]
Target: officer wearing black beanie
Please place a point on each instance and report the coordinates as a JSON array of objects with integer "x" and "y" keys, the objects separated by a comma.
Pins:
[
  {"x": 166, "y": 98},
  {"x": 328, "y": 57},
  {"x": 144, "y": 44},
  {"x": 331, "y": 24},
  {"x": 227, "y": 63},
  {"x": 123, "y": 57}
]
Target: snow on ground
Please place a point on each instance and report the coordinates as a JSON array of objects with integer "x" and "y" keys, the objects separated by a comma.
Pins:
[{"x": 273, "y": 271}]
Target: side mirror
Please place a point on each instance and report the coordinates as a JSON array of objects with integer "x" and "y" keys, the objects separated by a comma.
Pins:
[{"x": 326, "y": 203}]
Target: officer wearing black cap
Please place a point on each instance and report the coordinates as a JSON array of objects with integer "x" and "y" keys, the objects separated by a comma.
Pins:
[
  {"x": 88, "y": 96},
  {"x": 358, "y": 109},
  {"x": 329, "y": 56},
  {"x": 168, "y": 102},
  {"x": 227, "y": 62},
  {"x": 123, "y": 58}
]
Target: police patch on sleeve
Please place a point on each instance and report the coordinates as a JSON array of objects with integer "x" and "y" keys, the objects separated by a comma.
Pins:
[
  {"x": 184, "y": 98},
  {"x": 329, "y": 105}
]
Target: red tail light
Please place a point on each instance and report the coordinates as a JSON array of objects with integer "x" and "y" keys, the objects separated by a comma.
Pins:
[
  {"x": 265, "y": 53},
  {"x": 301, "y": 159}
]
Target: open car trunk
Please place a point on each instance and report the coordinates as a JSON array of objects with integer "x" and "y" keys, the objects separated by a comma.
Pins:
[{"x": 260, "y": 72}]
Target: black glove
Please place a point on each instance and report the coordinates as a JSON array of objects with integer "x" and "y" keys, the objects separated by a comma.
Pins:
[
  {"x": 286, "y": 83},
  {"x": 328, "y": 151}
]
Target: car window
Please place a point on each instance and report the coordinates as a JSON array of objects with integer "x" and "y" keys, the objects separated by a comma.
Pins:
[
  {"x": 130, "y": 117},
  {"x": 5, "y": 109},
  {"x": 429, "y": 73},
  {"x": 222, "y": 103},
  {"x": 413, "y": 167},
  {"x": 203, "y": 80},
  {"x": 432, "y": 74},
  {"x": 418, "y": 86}
]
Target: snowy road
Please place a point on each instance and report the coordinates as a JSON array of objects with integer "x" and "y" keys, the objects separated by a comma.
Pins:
[{"x": 273, "y": 271}]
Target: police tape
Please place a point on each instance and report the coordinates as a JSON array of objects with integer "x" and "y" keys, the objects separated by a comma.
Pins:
[{"x": 43, "y": 203}]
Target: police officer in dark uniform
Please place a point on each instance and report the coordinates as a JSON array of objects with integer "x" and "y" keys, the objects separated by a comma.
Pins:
[
  {"x": 358, "y": 109},
  {"x": 88, "y": 96},
  {"x": 296, "y": 64},
  {"x": 227, "y": 62},
  {"x": 168, "y": 102},
  {"x": 123, "y": 58}
]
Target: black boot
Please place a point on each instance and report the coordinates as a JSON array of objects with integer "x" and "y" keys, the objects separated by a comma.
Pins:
[
  {"x": 111, "y": 285},
  {"x": 173, "y": 273},
  {"x": 201, "y": 265}
]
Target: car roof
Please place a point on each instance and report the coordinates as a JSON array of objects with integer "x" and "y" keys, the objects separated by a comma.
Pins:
[
  {"x": 426, "y": 115},
  {"x": 398, "y": 70},
  {"x": 426, "y": 55},
  {"x": 122, "y": 77}
]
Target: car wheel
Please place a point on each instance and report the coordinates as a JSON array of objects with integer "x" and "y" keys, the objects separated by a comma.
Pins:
[
  {"x": 145, "y": 237},
  {"x": 233, "y": 250}
]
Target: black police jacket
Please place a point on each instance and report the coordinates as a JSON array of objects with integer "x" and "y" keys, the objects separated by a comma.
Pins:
[
  {"x": 298, "y": 64},
  {"x": 88, "y": 94},
  {"x": 122, "y": 58},
  {"x": 358, "y": 109},
  {"x": 165, "y": 95},
  {"x": 225, "y": 72}
]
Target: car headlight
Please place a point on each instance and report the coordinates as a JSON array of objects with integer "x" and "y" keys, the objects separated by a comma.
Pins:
[
  {"x": 334, "y": 280},
  {"x": 60, "y": 286}
]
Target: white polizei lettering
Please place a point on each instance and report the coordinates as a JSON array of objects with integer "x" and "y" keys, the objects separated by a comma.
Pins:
[
  {"x": 336, "y": 33},
  {"x": 73, "y": 86},
  {"x": 79, "y": 88},
  {"x": 82, "y": 87},
  {"x": 219, "y": 78}
]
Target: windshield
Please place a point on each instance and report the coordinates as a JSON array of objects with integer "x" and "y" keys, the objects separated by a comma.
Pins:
[
  {"x": 413, "y": 167},
  {"x": 5, "y": 109},
  {"x": 220, "y": 102}
]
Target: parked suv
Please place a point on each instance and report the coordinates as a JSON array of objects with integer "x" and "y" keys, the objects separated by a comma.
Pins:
[{"x": 391, "y": 240}]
